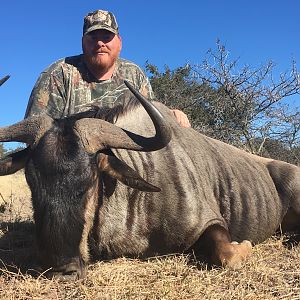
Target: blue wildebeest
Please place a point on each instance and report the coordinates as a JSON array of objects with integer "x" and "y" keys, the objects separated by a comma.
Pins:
[{"x": 192, "y": 191}]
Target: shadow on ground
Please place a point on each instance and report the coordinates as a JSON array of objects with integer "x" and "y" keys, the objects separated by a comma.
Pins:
[
  {"x": 17, "y": 247},
  {"x": 292, "y": 239}
]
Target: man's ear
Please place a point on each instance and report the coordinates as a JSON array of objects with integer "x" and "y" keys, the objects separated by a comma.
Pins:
[
  {"x": 117, "y": 169},
  {"x": 120, "y": 39}
]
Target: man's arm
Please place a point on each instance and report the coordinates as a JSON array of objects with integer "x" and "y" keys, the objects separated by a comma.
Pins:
[
  {"x": 181, "y": 118},
  {"x": 47, "y": 96}
]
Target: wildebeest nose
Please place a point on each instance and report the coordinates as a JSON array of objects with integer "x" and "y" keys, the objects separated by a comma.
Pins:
[{"x": 68, "y": 272}]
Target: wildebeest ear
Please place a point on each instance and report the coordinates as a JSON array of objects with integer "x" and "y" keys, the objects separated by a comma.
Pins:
[
  {"x": 117, "y": 169},
  {"x": 14, "y": 162}
]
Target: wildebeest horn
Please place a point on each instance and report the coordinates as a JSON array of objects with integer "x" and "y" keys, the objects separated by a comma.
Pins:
[
  {"x": 4, "y": 79},
  {"x": 14, "y": 162},
  {"x": 27, "y": 131},
  {"x": 98, "y": 134}
]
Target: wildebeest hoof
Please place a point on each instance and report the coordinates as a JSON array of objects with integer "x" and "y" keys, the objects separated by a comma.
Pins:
[{"x": 232, "y": 255}]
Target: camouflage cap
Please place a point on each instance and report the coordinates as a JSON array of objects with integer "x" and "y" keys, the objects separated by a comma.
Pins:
[{"x": 100, "y": 19}]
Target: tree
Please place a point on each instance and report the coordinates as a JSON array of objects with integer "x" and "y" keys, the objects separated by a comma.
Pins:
[
  {"x": 249, "y": 100},
  {"x": 178, "y": 89},
  {"x": 237, "y": 105},
  {"x": 175, "y": 88},
  {"x": 2, "y": 150},
  {"x": 279, "y": 150}
]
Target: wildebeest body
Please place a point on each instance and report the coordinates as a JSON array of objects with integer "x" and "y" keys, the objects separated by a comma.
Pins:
[
  {"x": 203, "y": 182},
  {"x": 211, "y": 192}
]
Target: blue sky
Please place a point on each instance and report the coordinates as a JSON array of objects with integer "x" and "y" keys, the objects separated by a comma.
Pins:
[{"x": 36, "y": 33}]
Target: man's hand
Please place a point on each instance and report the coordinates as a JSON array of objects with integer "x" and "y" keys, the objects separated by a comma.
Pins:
[{"x": 181, "y": 118}]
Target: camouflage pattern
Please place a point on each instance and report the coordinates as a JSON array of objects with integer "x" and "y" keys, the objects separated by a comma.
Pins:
[
  {"x": 67, "y": 87},
  {"x": 100, "y": 19}
]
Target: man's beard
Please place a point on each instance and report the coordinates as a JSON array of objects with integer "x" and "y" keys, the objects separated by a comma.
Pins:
[{"x": 97, "y": 62}]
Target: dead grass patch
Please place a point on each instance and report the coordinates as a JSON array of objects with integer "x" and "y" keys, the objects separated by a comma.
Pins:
[{"x": 272, "y": 273}]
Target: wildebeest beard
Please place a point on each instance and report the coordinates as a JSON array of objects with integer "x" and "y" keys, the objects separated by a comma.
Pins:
[{"x": 59, "y": 174}]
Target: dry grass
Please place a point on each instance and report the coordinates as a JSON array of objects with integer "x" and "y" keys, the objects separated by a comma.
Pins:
[{"x": 271, "y": 273}]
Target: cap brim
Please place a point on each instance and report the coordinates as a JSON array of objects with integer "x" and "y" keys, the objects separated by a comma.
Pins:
[{"x": 97, "y": 27}]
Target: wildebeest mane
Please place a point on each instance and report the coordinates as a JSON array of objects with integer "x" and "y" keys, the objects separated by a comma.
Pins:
[{"x": 109, "y": 114}]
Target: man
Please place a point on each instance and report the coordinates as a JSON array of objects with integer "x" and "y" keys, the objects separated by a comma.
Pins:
[{"x": 94, "y": 78}]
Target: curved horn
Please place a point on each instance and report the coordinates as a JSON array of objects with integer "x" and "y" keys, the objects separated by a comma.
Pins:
[
  {"x": 97, "y": 134},
  {"x": 14, "y": 162},
  {"x": 27, "y": 131},
  {"x": 4, "y": 79}
]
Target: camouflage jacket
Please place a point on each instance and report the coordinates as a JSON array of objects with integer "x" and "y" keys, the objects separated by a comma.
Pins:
[{"x": 67, "y": 87}]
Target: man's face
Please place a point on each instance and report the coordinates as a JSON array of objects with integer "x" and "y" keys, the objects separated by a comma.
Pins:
[{"x": 101, "y": 48}]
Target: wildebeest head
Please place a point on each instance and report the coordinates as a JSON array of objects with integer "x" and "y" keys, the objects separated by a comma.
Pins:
[{"x": 64, "y": 164}]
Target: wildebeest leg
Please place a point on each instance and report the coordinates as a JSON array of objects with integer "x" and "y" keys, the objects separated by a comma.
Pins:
[
  {"x": 221, "y": 250},
  {"x": 286, "y": 178}
]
